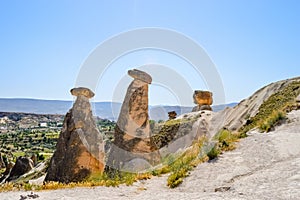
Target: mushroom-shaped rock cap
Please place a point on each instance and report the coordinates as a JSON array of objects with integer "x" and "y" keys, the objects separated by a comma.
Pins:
[
  {"x": 140, "y": 75},
  {"x": 202, "y": 97},
  {"x": 82, "y": 91}
]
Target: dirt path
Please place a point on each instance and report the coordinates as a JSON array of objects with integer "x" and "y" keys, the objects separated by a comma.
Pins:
[{"x": 264, "y": 166}]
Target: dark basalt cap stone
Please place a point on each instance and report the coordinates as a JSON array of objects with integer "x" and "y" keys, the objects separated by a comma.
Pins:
[
  {"x": 82, "y": 91},
  {"x": 140, "y": 75}
]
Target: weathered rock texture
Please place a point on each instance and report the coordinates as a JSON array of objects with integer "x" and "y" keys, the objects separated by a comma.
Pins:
[
  {"x": 2, "y": 164},
  {"x": 6, "y": 173},
  {"x": 172, "y": 115},
  {"x": 203, "y": 100},
  {"x": 22, "y": 166},
  {"x": 132, "y": 132},
  {"x": 80, "y": 148},
  {"x": 34, "y": 159}
]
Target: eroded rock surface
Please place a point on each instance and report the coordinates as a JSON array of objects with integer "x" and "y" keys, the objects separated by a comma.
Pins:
[
  {"x": 172, "y": 115},
  {"x": 80, "y": 148},
  {"x": 6, "y": 173},
  {"x": 2, "y": 164},
  {"x": 132, "y": 132},
  {"x": 22, "y": 166},
  {"x": 236, "y": 117}
]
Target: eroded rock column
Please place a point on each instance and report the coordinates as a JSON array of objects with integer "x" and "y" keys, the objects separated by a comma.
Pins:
[
  {"x": 80, "y": 148},
  {"x": 132, "y": 149}
]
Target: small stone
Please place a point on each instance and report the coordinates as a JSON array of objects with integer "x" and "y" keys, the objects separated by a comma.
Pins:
[
  {"x": 172, "y": 115},
  {"x": 222, "y": 189}
]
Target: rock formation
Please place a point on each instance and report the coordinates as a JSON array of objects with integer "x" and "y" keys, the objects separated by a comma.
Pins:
[
  {"x": 172, "y": 115},
  {"x": 22, "y": 166},
  {"x": 203, "y": 100},
  {"x": 132, "y": 133},
  {"x": 2, "y": 164},
  {"x": 80, "y": 148},
  {"x": 6, "y": 173},
  {"x": 34, "y": 159}
]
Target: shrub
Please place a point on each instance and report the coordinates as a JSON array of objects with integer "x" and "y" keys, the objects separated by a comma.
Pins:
[
  {"x": 213, "y": 153},
  {"x": 269, "y": 123},
  {"x": 226, "y": 139}
]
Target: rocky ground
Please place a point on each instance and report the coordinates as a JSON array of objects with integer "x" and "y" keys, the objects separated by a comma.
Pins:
[{"x": 264, "y": 166}]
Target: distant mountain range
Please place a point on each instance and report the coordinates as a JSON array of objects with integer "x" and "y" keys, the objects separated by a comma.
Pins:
[{"x": 105, "y": 110}]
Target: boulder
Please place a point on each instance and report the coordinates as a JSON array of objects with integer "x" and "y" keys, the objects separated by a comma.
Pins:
[
  {"x": 132, "y": 132},
  {"x": 80, "y": 148},
  {"x": 202, "y": 97},
  {"x": 22, "y": 166},
  {"x": 172, "y": 115}
]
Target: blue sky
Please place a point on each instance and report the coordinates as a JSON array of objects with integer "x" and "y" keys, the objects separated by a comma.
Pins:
[{"x": 44, "y": 43}]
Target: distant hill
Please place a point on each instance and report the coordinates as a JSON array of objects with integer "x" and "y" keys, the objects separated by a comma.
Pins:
[{"x": 105, "y": 110}]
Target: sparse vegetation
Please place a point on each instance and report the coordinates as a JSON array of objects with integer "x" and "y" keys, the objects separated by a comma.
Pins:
[
  {"x": 8, "y": 187},
  {"x": 226, "y": 140},
  {"x": 273, "y": 109},
  {"x": 214, "y": 152},
  {"x": 185, "y": 162},
  {"x": 96, "y": 180},
  {"x": 178, "y": 166},
  {"x": 170, "y": 130},
  {"x": 275, "y": 118}
]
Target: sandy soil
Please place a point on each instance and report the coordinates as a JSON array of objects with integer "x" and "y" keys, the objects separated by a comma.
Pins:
[{"x": 264, "y": 166}]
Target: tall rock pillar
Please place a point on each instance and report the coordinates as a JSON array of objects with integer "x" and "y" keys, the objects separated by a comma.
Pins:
[
  {"x": 132, "y": 149},
  {"x": 80, "y": 147}
]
